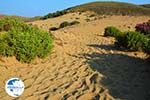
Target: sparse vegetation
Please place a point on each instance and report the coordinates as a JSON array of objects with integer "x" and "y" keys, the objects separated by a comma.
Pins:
[{"x": 24, "y": 41}]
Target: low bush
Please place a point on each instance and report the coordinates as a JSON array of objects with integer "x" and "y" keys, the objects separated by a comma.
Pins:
[
  {"x": 111, "y": 31},
  {"x": 92, "y": 15},
  {"x": 143, "y": 28},
  {"x": 120, "y": 40},
  {"x": 77, "y": 18},
  {"x": 53, "y": 29},
  {"x": 134, "y": 41},
  {"x": 74, "y": 22},
  {"x": 25, "y": 42},
  {"x": 64, "y": 24},
  {"x": 87, "y": 19}
]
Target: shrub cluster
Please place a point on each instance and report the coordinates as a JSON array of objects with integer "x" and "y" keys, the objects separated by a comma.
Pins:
[
  {"x": 134, "y": 41},
  {"x": 74, "y": 22},
  {"x": 53, "y": 29},
  {"x": 24, "y": 41},
  {"x": 92, "y": 15},
  {"x": 55, "y": 14},
  {"x": 130, "y": 40},
  {"x": 143, "y": 28},
  {"x": 64, "y": 24},
  {"x": 111, "y": 31},
  {"x": 87, "y": 19}
]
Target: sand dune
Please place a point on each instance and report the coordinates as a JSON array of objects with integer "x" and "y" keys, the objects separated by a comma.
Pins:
[{"x": 84, "y": 65}]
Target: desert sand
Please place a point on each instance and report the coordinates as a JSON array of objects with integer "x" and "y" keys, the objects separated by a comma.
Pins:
[{"x": 83, "y": 65}]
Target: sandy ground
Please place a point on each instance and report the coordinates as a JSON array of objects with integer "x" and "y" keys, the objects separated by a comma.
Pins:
[{"x": 84, "y": 65}]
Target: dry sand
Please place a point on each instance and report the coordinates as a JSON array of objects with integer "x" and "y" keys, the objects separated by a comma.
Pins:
[{"x": 84, "y": 65}]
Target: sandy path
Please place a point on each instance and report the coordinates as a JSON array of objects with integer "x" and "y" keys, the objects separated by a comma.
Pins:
[{"x": 84, "y": 65}]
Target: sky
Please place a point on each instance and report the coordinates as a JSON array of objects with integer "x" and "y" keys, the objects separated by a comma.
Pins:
[{"x": 31, "y": 8}]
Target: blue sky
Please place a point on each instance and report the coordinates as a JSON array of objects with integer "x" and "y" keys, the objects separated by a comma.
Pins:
[{"x": 32, "y": 8}]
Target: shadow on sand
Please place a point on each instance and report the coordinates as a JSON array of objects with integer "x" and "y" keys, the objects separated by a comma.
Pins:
[
  {"x": 127, "y": 78},
  {"x": 107, "y": 47}
]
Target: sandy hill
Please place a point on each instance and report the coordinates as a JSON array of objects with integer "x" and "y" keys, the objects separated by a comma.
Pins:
[
  {"x": 146, "y": 5},
  {"x": 13, "y": 16},
  {"x": 26, "y": 19},
  {"x": 105, "y": 8},
  {"x": 113, "y": 8},
  {"x": 84, "y": 65},
  {"x": 1, "y": 16}
]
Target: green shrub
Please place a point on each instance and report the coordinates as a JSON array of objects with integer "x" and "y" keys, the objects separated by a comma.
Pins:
[
  {"x": 77, "y": 18},
  {"x": 25, "y": 42},
  {"x": 55, "y": 14},
  {"x": 74, "y": 22},
  {"x": 87, "y": 19},
  {"x": 64, "y": 24},
  {"x": 134, "y": 41},
  {"x": 53, "y": 29},
  {"x": 6, "y": 46},
  {"x": 111, "y": 31},
  {"x": 120, "y": 40},
  {"x": 92, "y": 15}
]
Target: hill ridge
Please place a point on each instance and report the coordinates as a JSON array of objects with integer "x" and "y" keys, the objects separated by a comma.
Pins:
[{"x": 115, "y": 8}]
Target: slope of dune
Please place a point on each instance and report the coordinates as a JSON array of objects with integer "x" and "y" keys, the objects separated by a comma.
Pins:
[
  {"x": 84, "y": 65},
  {"x": 146, "y": 5},
  {"x": 105, "y": 8},
  {"x": 113, "y": 8}
]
